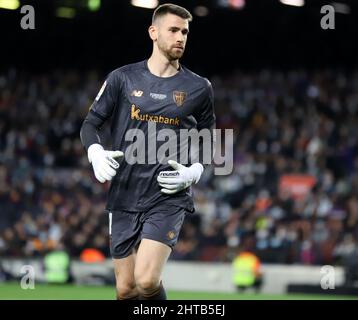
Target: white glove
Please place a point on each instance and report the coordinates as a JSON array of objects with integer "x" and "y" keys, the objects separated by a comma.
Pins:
[
  {"x": 103, "y": 162},
  {"x": 175, "y": 181}
]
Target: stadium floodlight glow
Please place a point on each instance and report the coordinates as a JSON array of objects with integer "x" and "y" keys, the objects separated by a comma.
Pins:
[
  {"x": 232, "y": 4},
  {"x": 341, "y": 8},
  {"x": 201, "y": 11},
  {"x": 9, "y": 4},
  {"x": 148, "y": 4},
  {"x": 65, "y": 12},
  {"x": 295, "y": 3},
  {"x": 236, "y": 4},
  {"x": 94, "y": 5}
]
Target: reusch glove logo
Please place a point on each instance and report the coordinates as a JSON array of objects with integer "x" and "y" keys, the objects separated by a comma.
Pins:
[
  {"x": 113, "y": 162},
  {"x": 169, "y": 174}
]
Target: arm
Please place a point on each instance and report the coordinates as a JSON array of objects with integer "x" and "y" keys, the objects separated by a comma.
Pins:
[
  {"x": 103, "y": 162},
  {"x": 205, "y": 117},
  {"x": 90, "y": 129}
]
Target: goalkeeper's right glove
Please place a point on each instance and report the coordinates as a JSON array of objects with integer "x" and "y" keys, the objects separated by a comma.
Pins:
[{"x": 103, "y": 162}]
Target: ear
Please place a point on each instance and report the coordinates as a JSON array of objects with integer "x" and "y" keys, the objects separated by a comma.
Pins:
[{"x": 153, "y": 34}]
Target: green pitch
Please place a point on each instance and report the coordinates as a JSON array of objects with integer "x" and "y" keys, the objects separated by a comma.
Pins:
[{"x": 13, "y": 291}]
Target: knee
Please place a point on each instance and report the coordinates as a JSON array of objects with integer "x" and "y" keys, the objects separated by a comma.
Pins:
[
  {"x": 126, "y": 292},
  {"x": 147, "y": 284}
]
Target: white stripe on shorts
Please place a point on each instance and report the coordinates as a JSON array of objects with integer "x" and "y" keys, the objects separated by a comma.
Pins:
[{"x": 110, "y": 223}]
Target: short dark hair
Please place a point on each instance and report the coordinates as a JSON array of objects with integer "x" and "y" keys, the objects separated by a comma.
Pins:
[{"x": 173, "y": 9}]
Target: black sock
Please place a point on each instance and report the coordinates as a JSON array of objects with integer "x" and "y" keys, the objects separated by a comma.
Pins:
[{"x": 158, "y": 294}]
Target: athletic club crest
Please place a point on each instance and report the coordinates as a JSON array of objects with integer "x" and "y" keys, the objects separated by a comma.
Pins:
[
  {"x": 171, "y": 235},
  {"x": 179, "y": 97}
]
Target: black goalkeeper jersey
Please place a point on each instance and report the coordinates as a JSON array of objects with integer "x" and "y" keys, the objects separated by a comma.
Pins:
[{"x": 133, "y": 98}]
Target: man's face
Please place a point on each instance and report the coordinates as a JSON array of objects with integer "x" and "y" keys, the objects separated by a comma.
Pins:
[{"x": 172, "y": 33}]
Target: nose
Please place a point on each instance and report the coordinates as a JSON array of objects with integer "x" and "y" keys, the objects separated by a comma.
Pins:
[{"x": 180, "y": 38}]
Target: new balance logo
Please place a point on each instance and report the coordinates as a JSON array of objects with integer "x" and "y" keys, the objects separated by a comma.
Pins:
[{"x": 137, "y": 93}]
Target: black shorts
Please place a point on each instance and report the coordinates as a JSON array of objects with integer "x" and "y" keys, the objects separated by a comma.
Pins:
[{"x": 161, "y": 223}]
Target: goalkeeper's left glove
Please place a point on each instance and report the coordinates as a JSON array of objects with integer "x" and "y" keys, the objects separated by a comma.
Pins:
[{"x": 175, "y": 181}]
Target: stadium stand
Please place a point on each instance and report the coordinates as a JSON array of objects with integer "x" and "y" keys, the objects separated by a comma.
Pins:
[{"x": 297, "y": 122}]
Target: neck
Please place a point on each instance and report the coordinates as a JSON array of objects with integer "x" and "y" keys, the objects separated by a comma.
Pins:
[{"x": 161, "y": 66}]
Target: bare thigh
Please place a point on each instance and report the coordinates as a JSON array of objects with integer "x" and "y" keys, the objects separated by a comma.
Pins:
[{"x": 150, "y": 261}]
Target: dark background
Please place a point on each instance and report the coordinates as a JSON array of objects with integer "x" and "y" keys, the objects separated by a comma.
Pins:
[{"x": 265, "y": 33}]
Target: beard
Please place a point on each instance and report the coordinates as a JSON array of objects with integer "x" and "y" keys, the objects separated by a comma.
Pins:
[{"x": 170, "y": 52}]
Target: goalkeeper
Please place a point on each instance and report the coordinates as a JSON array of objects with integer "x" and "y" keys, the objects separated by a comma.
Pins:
[{"x": 147, "y": 203}]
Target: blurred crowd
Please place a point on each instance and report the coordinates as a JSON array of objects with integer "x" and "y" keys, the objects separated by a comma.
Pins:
[{"x": 296, "y": 122}]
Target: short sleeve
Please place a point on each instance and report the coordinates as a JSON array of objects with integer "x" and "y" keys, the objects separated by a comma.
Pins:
[
  {"x": 205, "y": 115},
  {"x": 105, "y": 101}
]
